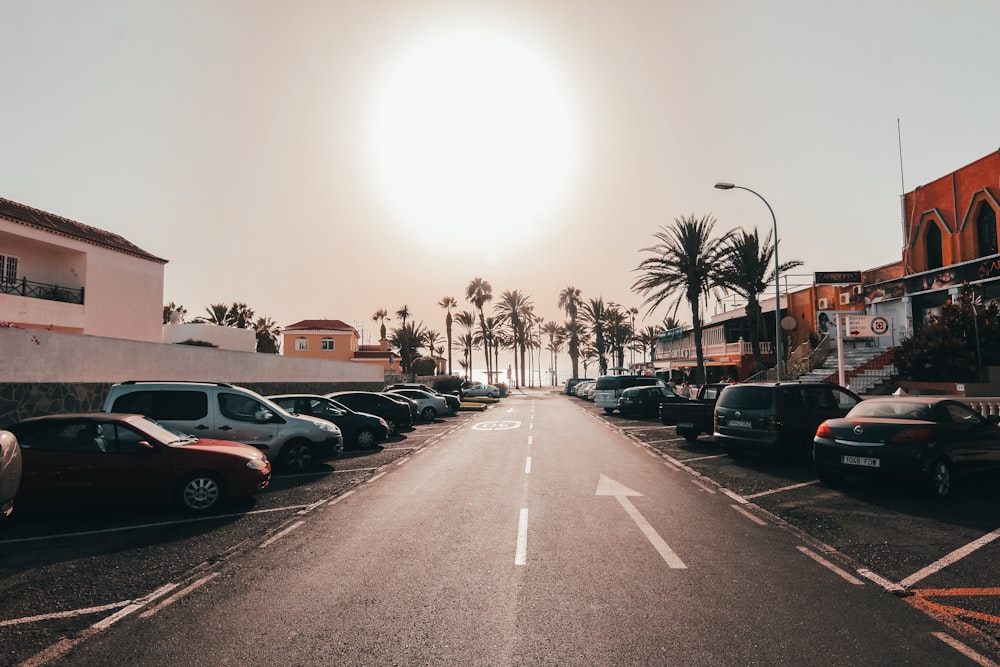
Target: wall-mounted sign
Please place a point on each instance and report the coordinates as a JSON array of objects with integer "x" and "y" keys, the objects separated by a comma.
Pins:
[
  {"x": 866, "y": 326},
  {"x": 836, "y": 277}
]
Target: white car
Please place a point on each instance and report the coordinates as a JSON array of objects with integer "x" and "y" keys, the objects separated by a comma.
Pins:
[
  {"x": 481, "y": 390},
  {"x": 431, "y": 405}
]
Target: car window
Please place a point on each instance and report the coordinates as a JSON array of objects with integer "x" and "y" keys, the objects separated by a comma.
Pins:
[
  {"x": 817, "y": 398},
  {"x": 745, "y": 398},
  {"x": 238, "y": 407},
  {"x": 844, "y": 400},
  {"x": 181, "y": 405},
  {"x": 962, "y": 414},
  {"x": 125, "y": 440}
]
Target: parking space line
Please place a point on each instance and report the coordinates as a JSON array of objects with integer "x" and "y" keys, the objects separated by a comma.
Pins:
[
  {"x": 277, "y": 536},
  {"x": 964, "y": 650},
  {"x": 735, "y": 496},
  {"x": 705, "y": 458},
  {"x": 65, "y": 614},
  {"x": 783, "y": 488},
  {"x": 750, "y": 515},
  {"x": 951, "y": 558},
  {"x": 701, "y": 485},
  {"x": 178, "y": 595},
  {"x": 843, "y": 574}
]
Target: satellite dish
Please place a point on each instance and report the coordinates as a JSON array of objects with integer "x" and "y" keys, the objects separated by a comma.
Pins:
[{"x": 788, "y": 323}]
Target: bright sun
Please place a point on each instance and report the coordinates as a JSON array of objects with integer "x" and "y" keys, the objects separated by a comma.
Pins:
[{"x": 474, "y": 137}]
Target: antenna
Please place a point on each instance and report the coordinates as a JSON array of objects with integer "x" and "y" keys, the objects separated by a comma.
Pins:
[{"x": 899, "y": 138}]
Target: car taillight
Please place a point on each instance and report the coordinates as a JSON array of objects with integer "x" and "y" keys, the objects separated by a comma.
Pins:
[
  {"x": 824, "y": 431},
  {"x": 910, "y": 435},
  {"x": 771, "y": 423}
]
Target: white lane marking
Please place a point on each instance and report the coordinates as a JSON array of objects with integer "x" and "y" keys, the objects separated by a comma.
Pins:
[
  {"x": 887, "y": 585},
  {"x": 178, "y": 595},
  {"x": 783, "y": 488},
  {"x": 529, "y": 441},
  {"x": 701, "y": 485},
  {"x": 977, "y": 658},
  {"x": 374, "y": 477},
  {"x": 951, "y": 558},
  {"x": 527, "y": 466},
  {"x": 402, "y": 461},
  {"x": 496, "y": 425},
  {"x": 735, "y": 496},
  {"x": 609, "y": 487},
  {"x": 521, "y": 552},
  {"x": 753, "y": 517},
  {"x": 65, "y": 614},
  {"x": 705, "y": 458},
  {"x": 277, "y": 536},
  {"x": 846, "y": 576}
]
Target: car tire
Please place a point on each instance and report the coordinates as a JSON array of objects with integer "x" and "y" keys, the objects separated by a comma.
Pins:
[
  {"x": 830, "y": 476},
  {"x": 201, "y": 492},
  {"x": 297, "y": 456},
  {"x": 688, "y": 434},
  {"x": 939, "y": 479},
  {"x": 609, "y": 411},
  {"x": 364, "y": 439},
  {"x": 428, "y": 414},
  {"x": 391, "y": 423}
]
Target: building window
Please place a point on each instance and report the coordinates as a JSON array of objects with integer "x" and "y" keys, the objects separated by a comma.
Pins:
[
  {"x": 986, "y": 230},
  {"x": 301, "y": 344},
  {"x": 8, "y": 269},
  {"x": 328, "y": 344},
  {"x": 932, "y": 242}
]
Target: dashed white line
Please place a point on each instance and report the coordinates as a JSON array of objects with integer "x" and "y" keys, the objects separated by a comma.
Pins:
[
  {"x": 846, "y": 576},
  {"x": 277, "y": 536},
  {"x": 527, "y": 466},
  {"x": 750, "y": 515},
  {"x": 521, "y": 552},
  {"x": 701, "y": 485}
]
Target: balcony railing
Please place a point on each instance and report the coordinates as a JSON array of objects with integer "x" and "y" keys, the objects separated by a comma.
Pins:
[{"x": 47, "y": 291}]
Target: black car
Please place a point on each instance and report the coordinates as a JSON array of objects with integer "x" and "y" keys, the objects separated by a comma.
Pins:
[
  {"x": 777, "y": 416},
  {"x": 396, "y": 414},
  {"x": 926, "y": 439},
  {"x": 454, "y": 403},
  {"x": 645, "y": 401},
  {"x": 360, "y": 429}
]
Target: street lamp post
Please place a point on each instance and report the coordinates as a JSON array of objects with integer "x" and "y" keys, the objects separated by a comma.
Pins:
[{"x": 777, "y": 283}]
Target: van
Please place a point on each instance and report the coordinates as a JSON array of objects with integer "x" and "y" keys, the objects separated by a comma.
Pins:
[
  {"x": 609, "y": 388},
  {"x": 226, "y": 412}
]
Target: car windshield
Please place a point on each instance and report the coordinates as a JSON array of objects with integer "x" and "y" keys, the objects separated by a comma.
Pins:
[
  {"x": 891, "y": 410},
  {"x": 167, "y": 435},
  {"x": 746, "y": 398}
]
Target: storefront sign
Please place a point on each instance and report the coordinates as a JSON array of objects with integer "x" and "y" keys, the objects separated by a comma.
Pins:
[
  {"x": 837, "y": 277},
  {"x": 866, "y": 326}
]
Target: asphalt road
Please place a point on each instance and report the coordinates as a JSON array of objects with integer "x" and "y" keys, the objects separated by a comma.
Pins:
[{"x": 531, "y": 534}]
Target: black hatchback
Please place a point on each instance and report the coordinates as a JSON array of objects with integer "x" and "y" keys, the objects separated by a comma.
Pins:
[
  {"x": 777, "y": 416},
  {"x": 396, "y": 415},
  {"x": 645, "y": 401}
]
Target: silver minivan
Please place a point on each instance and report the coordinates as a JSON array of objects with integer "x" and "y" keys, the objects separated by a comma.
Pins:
[
  {"x": 227, "y": 412},
  {"x": 609, "y": 388}
]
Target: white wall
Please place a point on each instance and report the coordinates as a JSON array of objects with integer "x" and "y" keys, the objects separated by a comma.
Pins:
[
  {"x": 226, "y": 338},
  {"x": 61, "y": 357}
]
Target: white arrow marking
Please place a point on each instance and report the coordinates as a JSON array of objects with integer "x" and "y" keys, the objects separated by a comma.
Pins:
[{"x": 609, "y": 487}]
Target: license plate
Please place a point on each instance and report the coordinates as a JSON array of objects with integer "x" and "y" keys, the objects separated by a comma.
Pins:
[
  {"x": 685, "y": 424},
  {"x": 860, "y": 461},
  {"x": 739, "y": 423}
]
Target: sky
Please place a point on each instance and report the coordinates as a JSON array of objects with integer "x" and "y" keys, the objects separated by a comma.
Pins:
[{"x": 326, "y": 158}]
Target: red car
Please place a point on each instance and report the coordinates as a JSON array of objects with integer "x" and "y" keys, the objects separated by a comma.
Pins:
[{"x": 108, "y": 458}]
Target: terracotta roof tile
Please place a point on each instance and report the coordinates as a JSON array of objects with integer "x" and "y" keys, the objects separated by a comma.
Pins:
[
  {"x": 51, "y": 222},
  {"x": 320, "y": 325}
]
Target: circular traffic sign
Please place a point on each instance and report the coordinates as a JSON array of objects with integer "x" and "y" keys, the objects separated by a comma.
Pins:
[{"x": 880, "y": 325}]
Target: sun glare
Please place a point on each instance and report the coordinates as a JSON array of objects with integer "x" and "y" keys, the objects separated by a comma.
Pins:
[{"x": 473, "y": 136}]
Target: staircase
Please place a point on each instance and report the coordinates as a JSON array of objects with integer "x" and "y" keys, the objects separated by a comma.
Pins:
[{"x": 866, "y": 369}]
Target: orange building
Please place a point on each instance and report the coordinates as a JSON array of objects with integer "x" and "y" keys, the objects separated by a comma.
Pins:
[{"x": 335, "y": 340}]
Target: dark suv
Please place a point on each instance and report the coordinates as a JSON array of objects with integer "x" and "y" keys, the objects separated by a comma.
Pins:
[{"x": 777, "y": 416}]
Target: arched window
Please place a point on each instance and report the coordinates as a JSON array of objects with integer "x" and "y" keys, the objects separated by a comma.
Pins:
[
  {"x": 986, "y": 230},
  {"x": 328, "y": 343},
  {"x": 301, "y": 343},
  {"x": 932, "y": 241}
]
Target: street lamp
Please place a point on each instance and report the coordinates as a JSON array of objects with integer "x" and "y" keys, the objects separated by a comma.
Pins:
[{"x": 777, "y": 284}]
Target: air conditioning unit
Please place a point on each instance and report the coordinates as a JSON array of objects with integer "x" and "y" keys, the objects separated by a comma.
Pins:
[
  {"x": 823, "y": 304},
  {"x": 856, "y": 289},
  {"x": 846, "y": 298}
]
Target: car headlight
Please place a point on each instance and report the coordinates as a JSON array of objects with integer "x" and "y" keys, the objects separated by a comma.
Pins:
[
  {"x": 329, "y": 427},
  {"x": 257, "y": 464},
  {"x": 384, "y": 423}
]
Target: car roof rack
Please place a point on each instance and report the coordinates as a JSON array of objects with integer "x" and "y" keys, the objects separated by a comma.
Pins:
[{"x": 208, "y": 382}]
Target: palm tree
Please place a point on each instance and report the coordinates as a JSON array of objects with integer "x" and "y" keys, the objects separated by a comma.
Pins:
[
  {"x": 170, "y": 309},
  {"x": 569, "y": 301},
  {"x": 216, "y": 315},
  {"x": 240, "y": 316},
  {"x": 514, "y": 309},
  {"x": 645, "y": 342},
  {"x": 381, "y": 315},
  {"x": 407, "y": 338},
  {"x": 618, "y": 333},
  {"x": 268, "y": 333},
  {"x": 478, "y": 292},
  {"x": 468, "y": 320},
  {"x": 448, "y": 303},
  {"x": 432, "y": 341},
  {"x": 594, "y": 314},
  {"x": 556, "y": 335},
  {"x": 683, "y": 267},
  {"x": 746, "y": 268},
  {"x": 403, "y": 314}
]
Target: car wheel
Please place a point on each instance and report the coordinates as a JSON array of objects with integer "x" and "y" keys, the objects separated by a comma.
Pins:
[
  {"x": 428, "y": 414},
  {"x": 391, "y": 423},
  {"x": 688, "y": 434},
  {"x": 609, "y": 411},
  {"x": 364, "y": 439},
  {"x": 939, "y": 480},
  {"x": 297, "y": 456},
  {"x": 201, "y": 492},
  {"x": 830, "y": 476}
]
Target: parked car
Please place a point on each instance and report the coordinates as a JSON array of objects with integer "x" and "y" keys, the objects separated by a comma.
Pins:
[
  {"x": 478, "y": 389},
  {"x": 431, "y": 405},
  {"x": 570, "y": 384},
  {"x": 454, "y": 403},
  {"x": 361, "y": 430},
  {"x": 610, "y": 387},
  {"x": 410, "y": 404},
  {"x": 772, "y": 416},
  {"x": 693, "y": 417},
  {"x": 646, "y": 401},
  {"x": 926, "y": 439},
  {"x": 109, "y": 458},
  {"x": 226, "y": 412},
  {"x": 581, "y": 389},
  {"x": 396, "y": 415},
  {"x": 10, "y": 472}
]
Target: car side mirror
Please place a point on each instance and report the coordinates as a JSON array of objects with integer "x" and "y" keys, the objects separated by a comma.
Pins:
[{"x": 263, "y": 416}]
